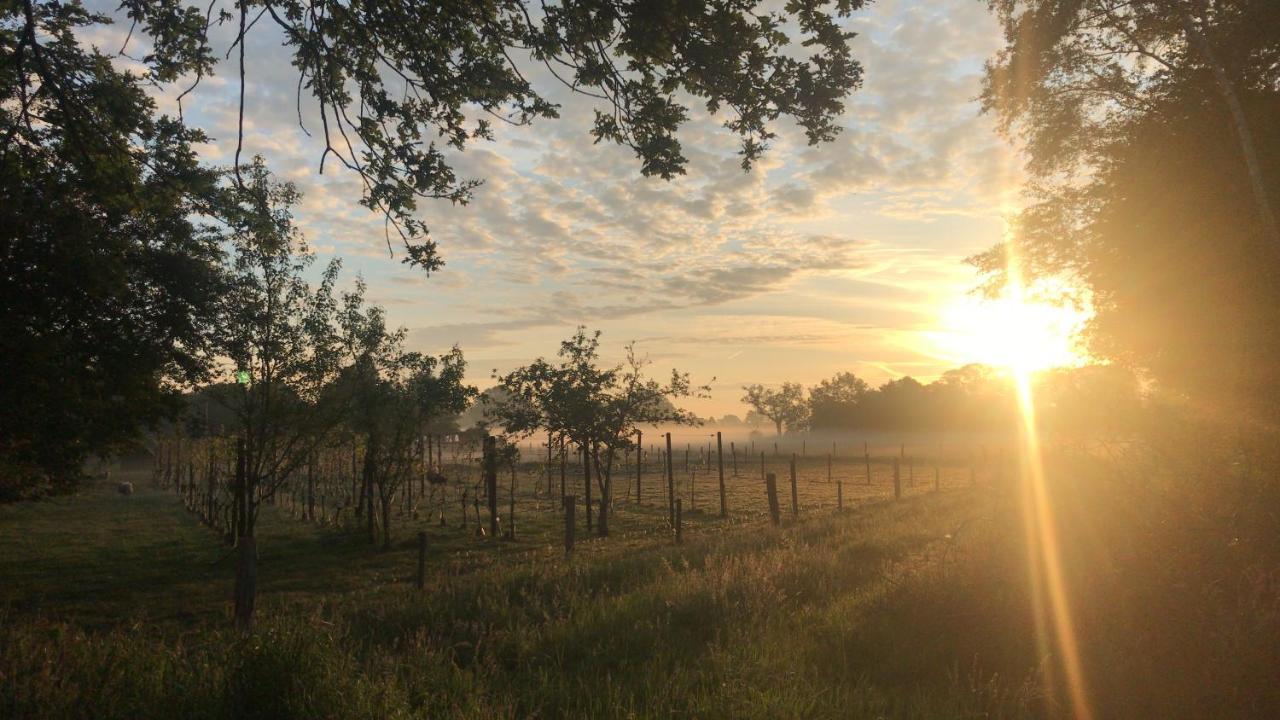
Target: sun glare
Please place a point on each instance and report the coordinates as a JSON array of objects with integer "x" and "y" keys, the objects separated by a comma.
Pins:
[{"x": 1013, "y": 332}]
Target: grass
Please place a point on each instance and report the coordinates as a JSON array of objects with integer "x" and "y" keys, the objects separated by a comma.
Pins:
[{"x": 117, "y": 607}]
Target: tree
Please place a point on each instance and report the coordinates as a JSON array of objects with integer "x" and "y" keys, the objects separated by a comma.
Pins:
[
  {"x": 109, "y": 270},
  {"x": 1153, "y": 163},
  {"x": 108, "y": 289},
  {"x": 395, "y": 395},
  {"x": 390, "y": 78},
  {"x": 592, "y": 407},
  {"x": 282, "y": 339},
  {"x": 833, "y": 403},
  {"x": 784, "y": 406}
]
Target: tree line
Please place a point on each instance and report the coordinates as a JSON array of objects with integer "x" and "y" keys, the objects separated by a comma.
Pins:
[{"x": 1093, "y": 400}]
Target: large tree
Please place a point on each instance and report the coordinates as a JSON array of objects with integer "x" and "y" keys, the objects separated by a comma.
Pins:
[
  {"x": 1154, "y": 160},
  {"x": 398, "y": 84},
  {"x": 108, "y": 272},
  {"x": 107, "y": 282}
]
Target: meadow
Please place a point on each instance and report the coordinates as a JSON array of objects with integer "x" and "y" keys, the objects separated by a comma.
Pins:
[{"x": 118, "y": 606}]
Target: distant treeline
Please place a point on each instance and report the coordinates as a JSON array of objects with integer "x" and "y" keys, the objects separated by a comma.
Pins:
[{"x": 1089, "y": 399}]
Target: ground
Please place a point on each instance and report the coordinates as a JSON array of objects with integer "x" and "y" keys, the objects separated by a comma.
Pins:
[{"x": 118, "y": 606}]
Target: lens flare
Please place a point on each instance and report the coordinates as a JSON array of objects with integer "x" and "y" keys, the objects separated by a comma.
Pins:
[{"x": 1050, "y": 596}]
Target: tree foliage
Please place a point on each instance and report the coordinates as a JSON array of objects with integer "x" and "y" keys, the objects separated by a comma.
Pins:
[
  {"x": 109, "y": 270},
  {"x": 595, "y": 407},
  {"x": 784, "y": 407},
  {"x": 399, "y": 84},
  {"x": 1154, "y": 162}
]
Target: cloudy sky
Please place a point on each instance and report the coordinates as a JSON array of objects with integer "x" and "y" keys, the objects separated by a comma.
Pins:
[{"x": 846, "y": 256}]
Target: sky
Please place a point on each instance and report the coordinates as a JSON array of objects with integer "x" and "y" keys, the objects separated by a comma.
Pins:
[{"x": 846, "y": 256}]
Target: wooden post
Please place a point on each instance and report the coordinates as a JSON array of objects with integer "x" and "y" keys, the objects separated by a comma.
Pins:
[
  {"x": 897, "y": 479},
  {"x": 839, "y": 495},
  {"x": 795, "y": 497},
  {"x": 422, "y": 558},
  {"x": 671, "y": 484},
  {"x": 311, "y": 488},
  {"x": 511, "y": 513},
  {"x": 679, "y": 522},
  {"x": 491, "y": 481},
  {"x": 724, "y": 508},
  {"x": 570, "y": 505},
  {"x": 771, "y": 490},
  {"x": 686, "y": 457},
  {"x": 733, "y": 453},
  {"x": 866, "y": 455},
  {"x": 639, "y": 462},
  {"x": 586, "y": 479},
  {"x": 828, "y": 468}
]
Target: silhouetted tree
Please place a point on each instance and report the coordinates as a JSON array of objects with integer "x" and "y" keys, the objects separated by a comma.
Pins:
[
  {"x": 108, "y": 269},
  {"x": 390, "y": 78},
  {"x": 1154, "y": 158},
  {"x": 783, "y": 407},
  {"x": 598, "y": 409},
  {"x": 833, "y": 403},
  {"x": 282, "y": 340}
]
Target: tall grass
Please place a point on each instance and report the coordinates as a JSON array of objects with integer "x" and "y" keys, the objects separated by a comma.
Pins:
[{"x": 918, "y": 608}]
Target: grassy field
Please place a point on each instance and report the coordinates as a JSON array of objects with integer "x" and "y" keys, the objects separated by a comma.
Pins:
[{"x": 115, "y": 606}]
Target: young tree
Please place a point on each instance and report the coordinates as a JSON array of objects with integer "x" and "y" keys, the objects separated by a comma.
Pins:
[
  {"x": 395, "y": 394},
  {"x": 598, "y": 409},
  {"x": 784, "y": 406},
  {"x": 281, "y": 337}
]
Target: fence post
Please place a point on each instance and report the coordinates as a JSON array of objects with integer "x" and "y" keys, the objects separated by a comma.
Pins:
[
  {"x": 511, "y": 512},
  {"x": 839, "y": 495},
  {"x": 570, "y": 505},
  {"x": 724, "y": 508},
  {"x": 422, "y": 558},
  {"x": 771, "y": 490},
  {"x": 828, "y": 468},
  {"x": 679, "y": 522},
  {"x": 795, "y": 498},
  {"x": 733, "y": 452},
  {"x": 639, "y": 462},
  {"x": 671, "y": 484},
  {"x": 897, "y": 479},
  {"x": 866, "y": 456},
  {"x": 491, "y": 482}
]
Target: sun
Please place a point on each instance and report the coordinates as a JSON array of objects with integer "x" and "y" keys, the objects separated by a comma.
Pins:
[{"x": 1012, "y": 331}]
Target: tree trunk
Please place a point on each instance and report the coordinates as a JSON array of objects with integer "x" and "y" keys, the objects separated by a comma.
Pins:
[
  {"x": 1197, "y": 39},
  {"x": 778, "y": 427},
  {"x": 586, "y": 471},
  {"x": 386, "y": 517},
  {"x": 603, "y": 477},
  {"x": 370, "y": 453},
  {"x": 246, "y": 591}
]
